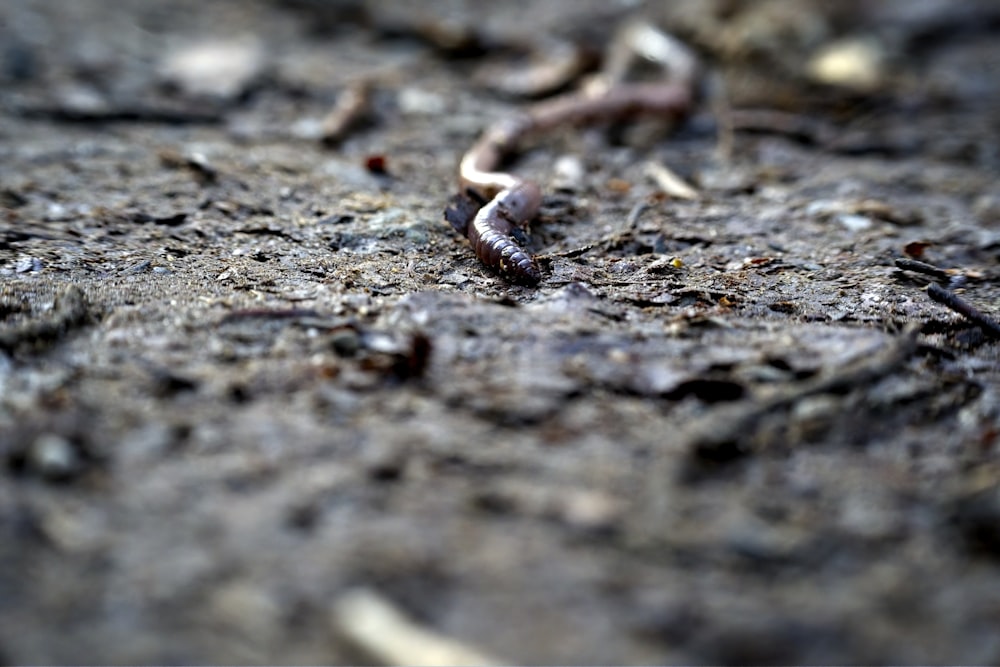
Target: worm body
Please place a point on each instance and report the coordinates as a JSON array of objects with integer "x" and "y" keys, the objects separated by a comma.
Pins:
[
  {"x": 511, "y": 202},
  {"x": 490, "y": 233}
]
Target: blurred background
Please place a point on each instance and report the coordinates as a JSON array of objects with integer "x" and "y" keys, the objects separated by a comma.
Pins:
[{"x": 294, "y": 421}]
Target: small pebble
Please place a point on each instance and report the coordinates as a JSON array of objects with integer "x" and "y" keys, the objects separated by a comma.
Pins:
[
  {"x": 56, "y": 213},
  {"x": 416, "y": 102},
  {"x": 220, "y": 69},
  {"x": 26, "y": 264},
  {"x": 856, "y": 63},
  {"x": 54, "y": 457},
  {"x": 854, "y": 223},
  {"x": 345, "y": 342},
  {"x": 568, "y": 174}
]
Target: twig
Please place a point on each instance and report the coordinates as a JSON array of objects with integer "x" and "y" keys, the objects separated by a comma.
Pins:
[
  {"x": 123, "y": 114},
  {"x": 669, "y": 182},
  {"x": 964, "y": 308},
  {"x": 351, "y": 107},
  {"x": 633, "y": 216},
  {"x": 922, "y": 267},
  {"x": 383, "y": 632}
]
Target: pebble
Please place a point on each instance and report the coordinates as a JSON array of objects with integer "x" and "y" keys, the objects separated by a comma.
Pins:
[
  {"x": 56, "y": 213},
  {"x": 26, "y": 264},
  {"x": 54, "y": 457},
  {"x": 219, "y": 69},
  {"x": 345, "y": 342},
  {"x": 854, "y": 62},
  {"x": 307, "y": 129},
  {"x": 568, "y": 174},
  {"x": 854, "y": 223},
  {"x": 417, "y": 102},
  {"x": 589, "y": 510}
]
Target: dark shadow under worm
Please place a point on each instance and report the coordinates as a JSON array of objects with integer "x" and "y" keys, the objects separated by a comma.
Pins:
[{"x": 511, "y": 202}]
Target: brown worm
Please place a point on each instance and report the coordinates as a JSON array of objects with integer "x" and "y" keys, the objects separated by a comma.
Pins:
[
  {"x": 512, "y": 201},
  {"x": 491, "y": 229},
  {"x": 505, "y": 202}
]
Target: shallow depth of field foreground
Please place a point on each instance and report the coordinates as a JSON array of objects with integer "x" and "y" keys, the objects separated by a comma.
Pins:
[{"x": 732, "y": 394}]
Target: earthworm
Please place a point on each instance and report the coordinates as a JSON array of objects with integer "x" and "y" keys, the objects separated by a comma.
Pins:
[
  {"x": 509, "y": 202},
  {"x": 513, "y": 201}
]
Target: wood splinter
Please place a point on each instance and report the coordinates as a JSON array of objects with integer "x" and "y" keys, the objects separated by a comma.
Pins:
[
  {"x": 353, "y": 105},
  {"x": 509, "y": 202}
]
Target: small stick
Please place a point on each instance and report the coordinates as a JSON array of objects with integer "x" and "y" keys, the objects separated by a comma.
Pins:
[
  {"x": 352, "y": 105},
  {"x": 922, "y": 267},
  {"x": 669, "y": 182},
  {"x": 633, "y": 216},
  {"x": 124, "y": 114},
  {"x": 380, "y": 629},
  {"x": 964, "y": 308}
]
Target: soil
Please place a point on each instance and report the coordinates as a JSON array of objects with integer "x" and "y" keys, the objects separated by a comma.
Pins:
[{"x": 244, "y": 373}]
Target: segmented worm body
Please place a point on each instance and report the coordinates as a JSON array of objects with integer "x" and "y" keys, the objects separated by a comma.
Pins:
[
  {"x": 509, "y": 202},
  {"x": 491, "y": 233}
]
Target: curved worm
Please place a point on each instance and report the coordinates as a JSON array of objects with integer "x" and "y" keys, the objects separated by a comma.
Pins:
[
  {"x": 512, "y": 201},
  {"x": 490, "y": 233}
]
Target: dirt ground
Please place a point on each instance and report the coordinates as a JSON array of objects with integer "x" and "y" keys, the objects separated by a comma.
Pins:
[{"x": 246, "y": 378}]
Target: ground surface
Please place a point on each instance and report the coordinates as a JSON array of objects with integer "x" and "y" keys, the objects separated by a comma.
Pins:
[{"x": 242, "y": 375}]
